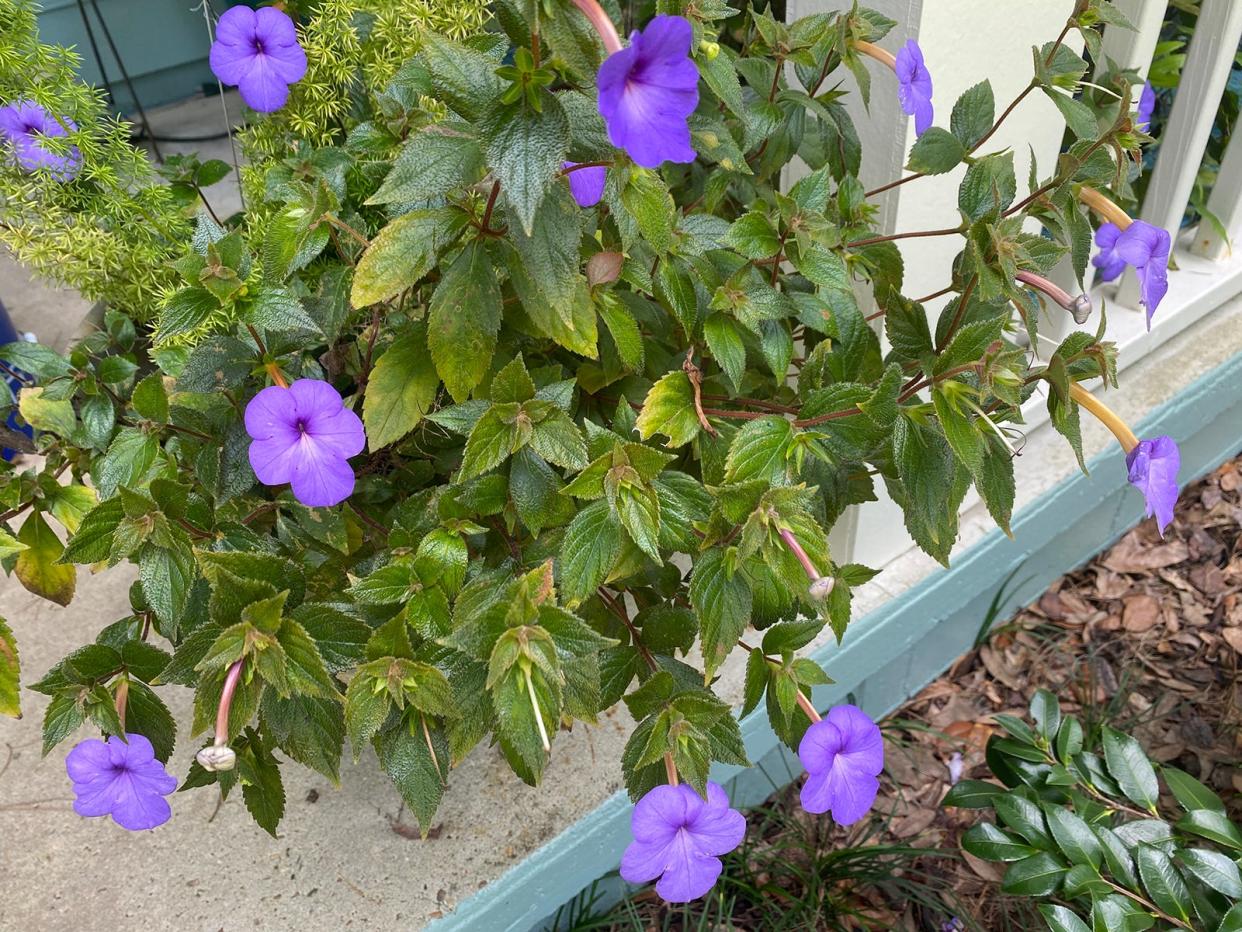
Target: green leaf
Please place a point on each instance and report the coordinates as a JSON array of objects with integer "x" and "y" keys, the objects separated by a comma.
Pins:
[
  {"x": 1046, "y": 712},
  {"x": 463, "y": 77},
  {"x": 525, "y": 149},
  {"x": 625, "y": 333},
  {"x": 1038, "y": 875},
  {"x": 996, "y": 483},
  {"x": 988, "y": 187},
  {"x": 973, "y": 114},
  {"x": 669, "y": 409},
  {"x": 126, "y": 462},
  {"x": 491, "y": 441},
  {"x": 1062, "y": 919},
  {"x": 311, "y": 731},
  {"x": 936, "y": 152},
  {"x": 535, "y": 488},
  {"x": 1078, "y": 116},
  {"x": 759, "y": 451},
  {"x": 1213, "y": 825},
  {"x": 1162, "y": 882},
  {"x": 639, "y": 510},
  {"x": 972, "y": 794},
  {"x": 38, "y": 567},
  {"x": 550, "y": 250},
  {"x": 1025, "y": 818},
  {"x": 1218, "y": 871},
  {"x": 167, "y": 574},
  {"x": 987, "y": 841},
  {"x": 589, "y": 551},
  {"x": 262, "y": 788},
  {"x": 1073, "y": 836},
  {"x": 147, "y": 715},
  {"x": 10, "y": 693},
  {"x": 61, "y": 719},
  {"x": 1129, "y": 766},
  {"x": 308, "y": 675},
  {"x": 724, "y": 340},
  {"x": 93, "y": 540},
  {"x": 557, "y": 439},
  {"x": 1189, "y": 792},
  {"x": 431, "y": 164},
  {"x": 723, "y": 601},
  {"x": 187, "y": 311},
  {"x": 463, "y": 321},
  {"x": 366, "y": 708},
  {"x": 417, "y": 764},
  {"x": 403, "y": 252},
  {"x": 647, "y": 200},
  {"x": 400, "y": 390},
  {"x": 280, "y": 311},
  {"x": 754, "y": 236}
]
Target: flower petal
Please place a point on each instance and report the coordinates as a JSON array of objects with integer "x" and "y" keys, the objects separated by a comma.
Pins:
[
  {"x": 274, "y": 27},
  {"x": 272, "y": 460},
  {"x": 819, "y": 746},
  {"x": 587, "y": 184},
  {"x": 1153, "y": 467},
  {"x": 861, "y": 740},
  {"x": 272, "y": 414},
  {"x": 137, "y": 807},
  {"x": 98, "y": 796},
  {"x": 231, "y": 62},
  {"x": 262, "y": 88},
  {"x": 236, "y": 26},
  {"x": 1141, "y": 242},
  {"x": 816, "y": 795},
  {"x": 1153, "y": 285},
  {"x": 852, "y": 791},
  {"x": 688, "y": 875},
  {"x": 659, "y": 814},
  {"x": 321, "y": 476},
  {"x": 644, "y": 861},
  {"x": 87, "y": 759}
]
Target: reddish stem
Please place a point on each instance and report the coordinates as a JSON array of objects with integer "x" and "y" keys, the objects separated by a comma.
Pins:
[
  {"x": 1078, "y": 305},
  {"x": 670, "y": 769}
]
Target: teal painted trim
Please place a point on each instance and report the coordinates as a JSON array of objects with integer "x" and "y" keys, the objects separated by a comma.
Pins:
[
  {"x": 163, "y": 44},
  {"x": 895, "y": 651}
]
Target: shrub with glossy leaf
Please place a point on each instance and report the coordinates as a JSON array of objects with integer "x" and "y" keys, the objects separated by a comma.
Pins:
[
  {"x": 592, "y": 432},
  {"x": 1083, "y": 821}
]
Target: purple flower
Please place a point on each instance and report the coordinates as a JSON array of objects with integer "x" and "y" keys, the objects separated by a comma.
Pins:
[
  {"x": 304, "y": 435},
  {"x": 843, "y": 756},
  {"x": 679, "y": 838},
  {"x": 1146, "y": 107},
  {"x": 648, "y": 91},
  {"x": 1147, "y": 249},
  {"x": 25, "y": 125},
  {"x": 1106, "y": 260},
  {"x": 587, "y": 184},
  {"x": 1153, "y": 466},
  {"x": 122, "y": 780},
  {"x": 258, "y": 51},
  {"x": 914, "y": 86}
]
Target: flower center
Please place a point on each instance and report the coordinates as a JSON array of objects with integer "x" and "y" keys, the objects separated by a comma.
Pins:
[
  {"x": 258, "y": 46},
  {"x": 301, "y": 426}
]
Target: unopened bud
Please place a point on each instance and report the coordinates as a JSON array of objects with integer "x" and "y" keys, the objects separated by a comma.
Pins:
[
  {"x": 709, "y": 49},
  {"x": 1080, "y": 309},
  {"x": 215, "y": 758},
  {"x": 604, "y": 268},
  {"x": 822, "y": 588}
]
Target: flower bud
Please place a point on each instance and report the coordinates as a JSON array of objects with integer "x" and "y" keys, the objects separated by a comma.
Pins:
[
  {"x": 215, "y": 758},
  {"x": 1080, "y": 309},
  {"x": 709, "y": 49},
  {"x": 822, "y": 588}
]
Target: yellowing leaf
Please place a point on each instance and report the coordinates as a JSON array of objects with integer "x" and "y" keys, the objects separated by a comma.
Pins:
[
  {"x": 400, "y": 390},
  {"x": 37, "y": 568}
]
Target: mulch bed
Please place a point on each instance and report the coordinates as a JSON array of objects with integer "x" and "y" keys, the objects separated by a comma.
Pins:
[{"x": 1147, "y": 637}]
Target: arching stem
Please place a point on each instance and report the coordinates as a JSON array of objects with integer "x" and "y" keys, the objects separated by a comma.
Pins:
[{"x": 1105, "y": 416}]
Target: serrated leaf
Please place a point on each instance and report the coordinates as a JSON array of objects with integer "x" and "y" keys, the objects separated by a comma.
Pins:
[
  {"x": 722, "y": 600},
  {"x": 38, "y": 567},
  {"x": 10, "y": 673},
  {"x": 463, "y": 321},
  {"x": 525, "y": 149},
  {"x": 589, "y": 551},
  {"x": 403, "y": 252},
  {"x": 431, "y": 164},
  {"x": 400, "y": 390},
  {"x": 669, "y": 410}
]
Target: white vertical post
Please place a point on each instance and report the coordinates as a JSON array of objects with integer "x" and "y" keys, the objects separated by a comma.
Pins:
[
  {"x": 1224, "y": 203},
  {"x": 1133, "y": 48},
  {"x": 1183, "y": 140}
]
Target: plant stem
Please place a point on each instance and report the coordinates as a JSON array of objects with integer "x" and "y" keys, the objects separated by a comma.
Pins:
[
  {"x": 872, "y": 240},
  {"x": 122, "y": 699},
  {"x": 485, "y": 225},
  {"x": 1105, "y": 416},
  {"x": 619, "y": 611}
]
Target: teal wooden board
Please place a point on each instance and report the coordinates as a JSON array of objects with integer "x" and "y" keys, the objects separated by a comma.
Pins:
[{"x": 896, "y": 650}]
